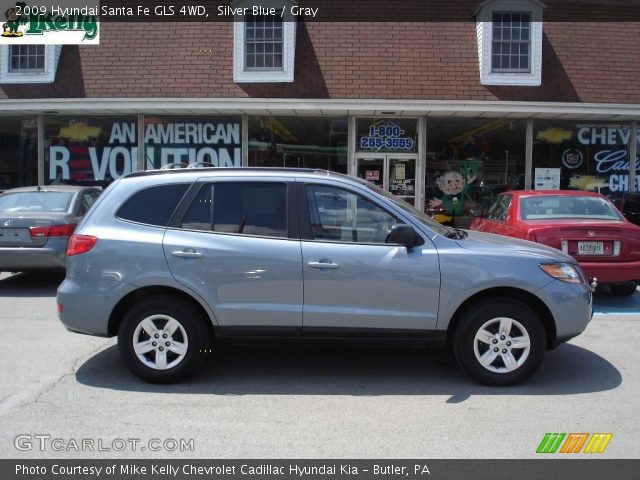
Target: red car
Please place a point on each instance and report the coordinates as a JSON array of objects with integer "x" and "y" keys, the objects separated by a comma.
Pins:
[{"x": 585, "y": 225}]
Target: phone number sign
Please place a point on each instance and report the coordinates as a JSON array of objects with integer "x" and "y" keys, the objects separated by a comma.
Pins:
[{"x": 387, "y": 136}]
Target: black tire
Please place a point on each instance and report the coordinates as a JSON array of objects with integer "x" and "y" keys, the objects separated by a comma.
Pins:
[
  {"x": 475, "y": 317},
  {"x": 193, "y": 324},
  {"x": 624, "y": 289}
]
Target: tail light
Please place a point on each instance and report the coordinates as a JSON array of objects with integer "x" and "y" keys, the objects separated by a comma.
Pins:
[
  {"x": 79, "y": 244},
  {"x": 564, "y": 246},
  {"x": 53, "y": 231},
  {"x": 617, "y": 246}
]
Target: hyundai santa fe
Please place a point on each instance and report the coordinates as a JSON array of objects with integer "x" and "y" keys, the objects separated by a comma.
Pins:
[{"x": 173, "y": 262}]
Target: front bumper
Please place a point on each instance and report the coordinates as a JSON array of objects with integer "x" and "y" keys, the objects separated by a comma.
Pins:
[
  {"x": 612, "y": 272},
  {"x": 571, "y": 306}
]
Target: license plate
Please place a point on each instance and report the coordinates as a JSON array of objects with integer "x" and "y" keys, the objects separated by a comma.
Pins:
[
  {"x": 590, "y": 248},
  {"x": 12, "y": 235}
]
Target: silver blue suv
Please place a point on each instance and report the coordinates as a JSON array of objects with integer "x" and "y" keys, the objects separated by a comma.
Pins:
[{"x": 173, "y": 262}]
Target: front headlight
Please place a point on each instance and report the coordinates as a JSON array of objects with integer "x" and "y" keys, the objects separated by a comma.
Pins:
[{"x": 565, "y": 272}]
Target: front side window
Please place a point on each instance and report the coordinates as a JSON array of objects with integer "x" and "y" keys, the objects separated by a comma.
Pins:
[
  {"x": 26, "y": 58},
  {"x": 263, "y": 42},
  {"x": 343, "y": 216},
  {"x": 511, "y": 42},
  {"x": 246, "y": 208}
]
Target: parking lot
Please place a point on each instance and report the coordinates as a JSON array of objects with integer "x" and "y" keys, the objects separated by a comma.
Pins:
[{"x": 307, "y": 402}]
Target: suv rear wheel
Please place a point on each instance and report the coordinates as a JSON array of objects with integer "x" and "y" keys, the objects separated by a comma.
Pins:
[
  {"x": 500, "y": 342},
  {"x": 163, "y": 339}
]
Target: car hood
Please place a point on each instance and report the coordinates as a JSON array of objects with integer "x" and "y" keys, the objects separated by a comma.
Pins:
[{"x": 499, "y": 243}]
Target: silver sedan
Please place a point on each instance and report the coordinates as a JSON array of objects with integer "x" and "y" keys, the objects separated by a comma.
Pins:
[{"x": 36, "y": 223}]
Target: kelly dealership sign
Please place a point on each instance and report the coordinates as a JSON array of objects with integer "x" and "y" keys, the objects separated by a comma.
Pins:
[{"x": 45, "y": 23}]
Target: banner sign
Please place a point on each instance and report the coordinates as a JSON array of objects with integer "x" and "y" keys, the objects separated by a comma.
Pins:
[
  {"x": 609, "y": 150},
  {"x": 216, "y": 143},
  {"x": 86, "y": 153}
]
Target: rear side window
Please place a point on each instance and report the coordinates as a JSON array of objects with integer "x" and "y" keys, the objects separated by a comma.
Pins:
[
  {"x": 248, "y": 208},
  {"x": 154, "y": 205},
  {"x": 499, "y": 209}
]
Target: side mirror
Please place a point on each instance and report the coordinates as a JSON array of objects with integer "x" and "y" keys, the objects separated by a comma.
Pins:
[{"x": 403, "y": 234}]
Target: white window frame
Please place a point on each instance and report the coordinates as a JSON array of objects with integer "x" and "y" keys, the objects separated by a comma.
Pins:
[
  {"x": 243, "y": 75},
  {"x": 484, "y": 30},
  {"x": 47, "y": 75}
]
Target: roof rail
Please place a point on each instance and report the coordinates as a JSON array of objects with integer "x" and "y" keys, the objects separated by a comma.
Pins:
[{"x": 174, "y": 168}]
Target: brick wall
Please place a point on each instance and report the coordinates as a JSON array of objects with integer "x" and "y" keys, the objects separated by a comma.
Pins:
[{"x": 582, "y": 62}]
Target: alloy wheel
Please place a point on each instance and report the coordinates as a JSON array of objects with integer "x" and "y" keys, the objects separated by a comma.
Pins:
[
  {"x": 160, "y": 342},
  {"x": 502, "y": 345}
]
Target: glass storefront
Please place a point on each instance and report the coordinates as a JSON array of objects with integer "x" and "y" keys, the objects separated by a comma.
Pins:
[
  {"x": 299, "y": 142},
  {"x": 89, "y": 150},
  {"x": 18, "y": 152},
  {"x": 466, "y": 163},
  {"x": 469, "y": 161},
  {"x": 581, "y": 156},
  {"x": 208, "y": 141}
]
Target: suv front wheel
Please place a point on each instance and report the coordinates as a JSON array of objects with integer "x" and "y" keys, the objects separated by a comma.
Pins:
[
  {"x": 163, "y": 339},
  {"x": 500, "y": 342}
]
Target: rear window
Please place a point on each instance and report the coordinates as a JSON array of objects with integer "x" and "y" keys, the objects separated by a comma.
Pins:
[
  {"x": 565, "y": 206},
  {"x": 154, "y": 205},
  {"x": 35, "y": 202}
]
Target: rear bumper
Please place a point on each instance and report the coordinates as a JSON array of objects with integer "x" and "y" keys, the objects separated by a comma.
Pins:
[
  {"x": 612, "y": 272},
  {"x": 19, "y": 259},
  {"x": 86, "y": 308}
]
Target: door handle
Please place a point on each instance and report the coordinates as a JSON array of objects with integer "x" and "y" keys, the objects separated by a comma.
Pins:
[
  {"x": 324, "y": 265},
  {"x": 187, "y": 253}
]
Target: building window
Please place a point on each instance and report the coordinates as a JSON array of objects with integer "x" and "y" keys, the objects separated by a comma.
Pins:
[
  {"x": 264, "y": 45},
  {"x": 29, "y": 63},
  {"x": 582, "y": 155},
  {"x": 510, "y": 42},
  {"x": 469, "y": 162},
  {"x": 298, "y": 142},
  {"x": 26, "y": 58}
]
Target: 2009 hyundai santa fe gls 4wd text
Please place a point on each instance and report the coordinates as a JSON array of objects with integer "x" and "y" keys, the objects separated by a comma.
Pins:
[{"x": 172, "y": 261}]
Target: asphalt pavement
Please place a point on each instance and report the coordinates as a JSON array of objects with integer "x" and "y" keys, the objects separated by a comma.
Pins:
[{"x": 327, "y": 402}]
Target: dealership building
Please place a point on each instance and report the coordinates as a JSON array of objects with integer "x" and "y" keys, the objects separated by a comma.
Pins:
[{"x": 504, "y": 93}]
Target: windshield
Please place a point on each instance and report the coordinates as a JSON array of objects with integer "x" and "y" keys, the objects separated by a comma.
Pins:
[
  {"x": 35, "y": 202},
  {"x": 414, "y": 212},
  {"x": 565, "y": 206}
]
